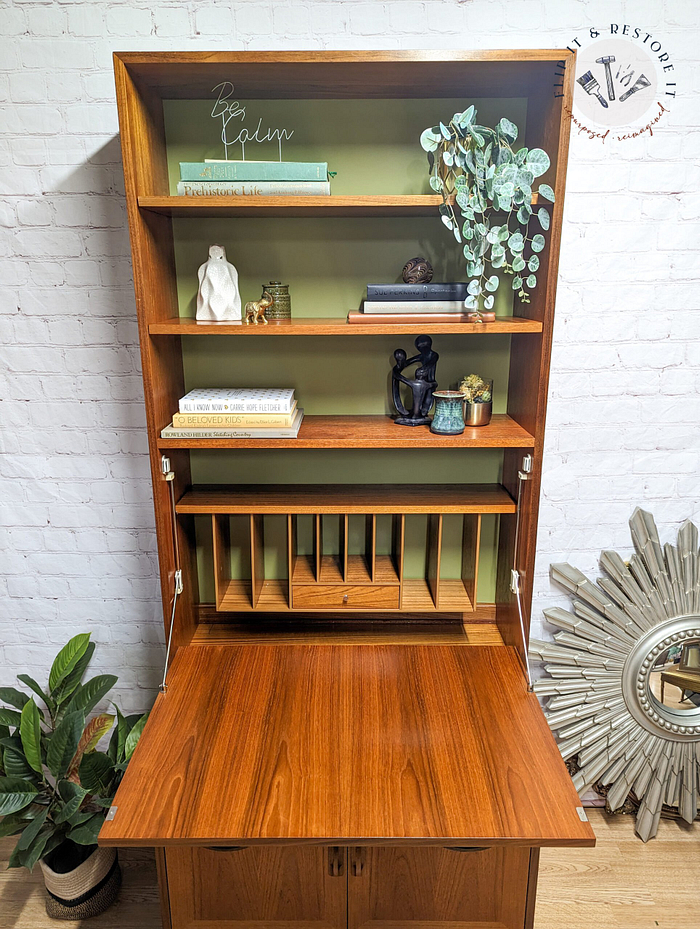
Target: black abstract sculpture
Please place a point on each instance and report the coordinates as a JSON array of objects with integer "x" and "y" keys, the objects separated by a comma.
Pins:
[{"x": 422, "y": 384}]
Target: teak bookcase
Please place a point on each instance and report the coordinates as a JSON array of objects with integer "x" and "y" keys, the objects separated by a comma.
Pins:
[{"x": 346, "y": 737}]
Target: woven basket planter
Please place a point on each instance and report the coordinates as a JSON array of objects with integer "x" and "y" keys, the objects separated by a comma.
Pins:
[{"x": 87, "y": 890}]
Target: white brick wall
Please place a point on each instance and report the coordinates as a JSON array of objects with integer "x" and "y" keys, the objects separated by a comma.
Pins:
[{"x": 76, "y": 523}]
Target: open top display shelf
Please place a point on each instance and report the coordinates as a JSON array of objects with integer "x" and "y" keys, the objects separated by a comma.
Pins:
[
  {"x": 374, "y": 432},
  {"x": 418, "y": 205},
  {"x": 311, "y": 325}
]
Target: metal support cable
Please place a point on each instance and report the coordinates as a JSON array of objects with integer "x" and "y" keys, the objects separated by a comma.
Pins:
[
  {"x": 169, "y": 476},
  {"x": 515, "y": 573}
]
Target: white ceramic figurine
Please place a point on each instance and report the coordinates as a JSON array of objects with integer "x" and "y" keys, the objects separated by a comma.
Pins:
[{"x": 218, "y": 297}]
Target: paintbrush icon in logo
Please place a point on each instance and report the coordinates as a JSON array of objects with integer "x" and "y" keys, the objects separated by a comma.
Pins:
[{"x": 592, "y": 87}]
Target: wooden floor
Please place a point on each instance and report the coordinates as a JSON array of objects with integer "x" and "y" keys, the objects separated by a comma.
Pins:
[{"x": 620, "y": 884}]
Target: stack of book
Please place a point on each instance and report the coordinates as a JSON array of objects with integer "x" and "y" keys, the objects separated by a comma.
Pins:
[
  {"x": 236, "y": 413},
  {"x": 253, "y": 179},
  {"x": 408, "y": 302}
]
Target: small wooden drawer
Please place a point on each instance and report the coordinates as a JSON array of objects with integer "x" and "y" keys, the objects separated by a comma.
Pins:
[{"x": 345, "y": 597}]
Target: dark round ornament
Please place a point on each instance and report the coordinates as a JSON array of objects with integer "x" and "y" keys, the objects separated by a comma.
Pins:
[{"x": 417, "y": 271}]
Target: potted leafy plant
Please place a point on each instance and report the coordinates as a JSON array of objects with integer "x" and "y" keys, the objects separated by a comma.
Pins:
[
  {"x": 56, "y": 786},
  {"x": 479, "y": 170},
  {"x": 477, "y": 392}
]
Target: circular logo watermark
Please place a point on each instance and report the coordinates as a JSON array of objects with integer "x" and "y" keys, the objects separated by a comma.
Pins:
[{"x": 624, "y": 84}]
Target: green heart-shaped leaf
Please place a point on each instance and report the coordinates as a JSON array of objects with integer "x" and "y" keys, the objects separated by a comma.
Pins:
[
  {"x": 508, "y": 130},
  {"x": 537, "y": 161}
]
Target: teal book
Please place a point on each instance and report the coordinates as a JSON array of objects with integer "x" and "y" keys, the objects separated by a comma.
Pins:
[{"x": 253, "y": 171}]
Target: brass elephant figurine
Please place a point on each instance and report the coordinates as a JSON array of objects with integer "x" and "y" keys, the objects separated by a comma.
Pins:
[{"x": 255, "y": 309}]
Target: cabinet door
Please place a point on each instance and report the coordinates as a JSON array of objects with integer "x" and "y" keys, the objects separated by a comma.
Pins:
[
  {"x": 424, "y": 888},
  {"x": 263, "y": 887}
]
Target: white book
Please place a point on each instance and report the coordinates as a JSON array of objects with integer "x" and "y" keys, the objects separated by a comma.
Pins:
[
  {"x": 238, "y": 400},
  {"x": 290, "y": 432},
  {"x": 414, "y": 306}
]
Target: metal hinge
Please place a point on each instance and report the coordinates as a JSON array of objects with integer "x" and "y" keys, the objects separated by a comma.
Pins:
[
  {"x": 582, "y": 814},
  {"x": 514, "y": 582},
  {"x": 526, "y": 468},
  {"x": 111, "y": 813}
]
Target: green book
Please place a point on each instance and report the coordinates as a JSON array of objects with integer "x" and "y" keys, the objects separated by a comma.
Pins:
[{"x": 253, "y": 171}]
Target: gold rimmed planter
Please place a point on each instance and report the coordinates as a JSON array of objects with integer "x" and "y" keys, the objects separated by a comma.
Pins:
[{"x": 477, "y": 414}]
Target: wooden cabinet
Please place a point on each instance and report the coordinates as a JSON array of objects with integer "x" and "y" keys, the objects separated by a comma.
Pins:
[
  {"x": 345, "y": 754},
  {"x": 429, "y": 888},
  {"x": 360, "y": 887},
  {"x": 287, "y": 887}
]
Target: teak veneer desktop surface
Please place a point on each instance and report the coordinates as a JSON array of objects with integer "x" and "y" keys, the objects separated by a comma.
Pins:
[{"x": 333, "y": 744}]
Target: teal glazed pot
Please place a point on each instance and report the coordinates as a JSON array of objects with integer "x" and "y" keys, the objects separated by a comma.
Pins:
[{"x": 448, "y": 418}]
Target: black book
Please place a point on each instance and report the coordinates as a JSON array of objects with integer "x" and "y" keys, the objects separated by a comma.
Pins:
[{"x": 434, "y": 291}]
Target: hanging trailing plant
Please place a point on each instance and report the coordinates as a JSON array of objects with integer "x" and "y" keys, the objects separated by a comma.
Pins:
[{"x": 478, "y": 170}]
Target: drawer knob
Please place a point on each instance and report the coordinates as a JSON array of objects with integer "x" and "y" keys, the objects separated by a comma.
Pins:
[{"x": 345, "y": 598}]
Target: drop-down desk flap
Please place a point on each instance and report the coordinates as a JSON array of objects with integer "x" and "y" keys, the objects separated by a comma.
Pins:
[{"x": 346, "y": 744}]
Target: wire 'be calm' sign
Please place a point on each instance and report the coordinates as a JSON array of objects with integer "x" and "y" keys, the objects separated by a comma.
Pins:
[{"x": 226, "y": 109}]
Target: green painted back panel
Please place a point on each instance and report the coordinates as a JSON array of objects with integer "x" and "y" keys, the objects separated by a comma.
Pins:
[{"x": 373, "y": 147}]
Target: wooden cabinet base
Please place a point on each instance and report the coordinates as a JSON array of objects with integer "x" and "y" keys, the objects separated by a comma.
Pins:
[
  {"x": 280, "y": 887},
  {"x": 314, "y": 887},
  {"x": 437, "y": 888}
]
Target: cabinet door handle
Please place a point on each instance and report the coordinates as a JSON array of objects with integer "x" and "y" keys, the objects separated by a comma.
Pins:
[
  {"x": 226, "y": 848},
  {"x": 358, "y": 862},
  {"x": 336, "y": 861}
]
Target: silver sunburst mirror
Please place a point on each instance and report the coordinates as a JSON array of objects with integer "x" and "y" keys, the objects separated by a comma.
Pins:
[{"x": 624, "y": 674}]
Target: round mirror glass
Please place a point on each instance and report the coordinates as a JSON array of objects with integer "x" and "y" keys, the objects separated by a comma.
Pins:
[{"x": 674, "y": 680}]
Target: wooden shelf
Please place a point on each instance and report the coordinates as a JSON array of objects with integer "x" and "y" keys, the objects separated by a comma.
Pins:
[
  {"x": 309, "y": 325},
  {"x": 419, "y": 205},
  {"x": 375, "y": 432},
  {"x": 344, "y": 498},
  {"x": 363, "y": 205}
]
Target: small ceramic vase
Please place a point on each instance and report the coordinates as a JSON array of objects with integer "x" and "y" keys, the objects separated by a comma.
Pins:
[
  {"x": 218, "y": 297},
  {"x": 282, "y": 307},
  {"x": 448, "y": 418}
]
